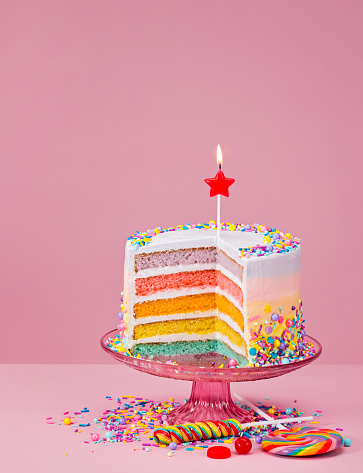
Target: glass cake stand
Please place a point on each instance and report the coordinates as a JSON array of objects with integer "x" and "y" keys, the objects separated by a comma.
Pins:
[{"x": 210, "y": 398}]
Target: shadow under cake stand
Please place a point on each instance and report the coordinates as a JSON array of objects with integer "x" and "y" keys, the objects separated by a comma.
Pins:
[{"x": 210, "y": 398}]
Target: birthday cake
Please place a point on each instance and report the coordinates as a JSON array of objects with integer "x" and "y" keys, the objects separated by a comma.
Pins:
[{"x": 188, "y": 290}]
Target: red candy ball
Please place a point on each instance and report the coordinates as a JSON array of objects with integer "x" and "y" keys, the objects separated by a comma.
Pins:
[{"x": 243, "y": 445}]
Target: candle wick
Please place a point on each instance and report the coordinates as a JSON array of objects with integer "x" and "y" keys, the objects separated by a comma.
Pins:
[{"x": 220, "y": 166}]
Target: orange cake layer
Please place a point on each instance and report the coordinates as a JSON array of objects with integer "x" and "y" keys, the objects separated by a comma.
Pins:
[
  {"x": 197, "y": 326},
  {"x": 185, "y": 280},
  {"x": 226, "y": 307},
  {"x": 185, "y": 304}
]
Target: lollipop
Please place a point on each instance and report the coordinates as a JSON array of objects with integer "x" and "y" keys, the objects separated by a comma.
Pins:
[
  {"x": 302, "y": 441},
  {"x": 210, "y": 429}
]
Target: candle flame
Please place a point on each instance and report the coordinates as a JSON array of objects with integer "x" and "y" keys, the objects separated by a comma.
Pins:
[{"x": 219, "y": 156}]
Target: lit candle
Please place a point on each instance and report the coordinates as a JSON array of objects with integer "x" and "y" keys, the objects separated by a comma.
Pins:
[{"x": 219, "y": 186}]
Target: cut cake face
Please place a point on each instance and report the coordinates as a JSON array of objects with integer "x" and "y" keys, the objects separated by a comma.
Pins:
[{"x": 192, "y": 292}]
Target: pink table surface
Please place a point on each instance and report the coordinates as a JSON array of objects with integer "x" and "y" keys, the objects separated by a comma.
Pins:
[{"x": 31, "y": 393}]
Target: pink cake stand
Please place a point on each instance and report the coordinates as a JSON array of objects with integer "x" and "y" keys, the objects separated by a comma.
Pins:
[{"x": 210, "y": 398}]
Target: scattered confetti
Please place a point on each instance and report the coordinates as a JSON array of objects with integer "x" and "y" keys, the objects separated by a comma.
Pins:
[{"x": 136, "y": 419}]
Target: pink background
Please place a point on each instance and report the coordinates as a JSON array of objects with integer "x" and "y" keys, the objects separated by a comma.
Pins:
[{"x": 110, "y": 116}]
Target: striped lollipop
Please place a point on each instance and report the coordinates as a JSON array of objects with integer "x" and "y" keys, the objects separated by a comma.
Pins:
[
  {"x": 210, "y": 429},
  {"x": 302, "y": 441}
]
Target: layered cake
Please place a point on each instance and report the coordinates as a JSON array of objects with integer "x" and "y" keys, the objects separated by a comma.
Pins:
[{"x": 188, "y": 290}]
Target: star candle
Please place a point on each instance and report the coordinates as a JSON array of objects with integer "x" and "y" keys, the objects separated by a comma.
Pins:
[{"x": 219, "y": 186}]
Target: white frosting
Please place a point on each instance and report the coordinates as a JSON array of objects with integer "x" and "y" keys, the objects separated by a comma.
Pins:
[{"x": 228, "y": 241}]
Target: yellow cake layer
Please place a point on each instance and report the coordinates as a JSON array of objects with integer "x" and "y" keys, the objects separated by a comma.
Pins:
[
  {"x": 185, "y": 304},
  {"x": 197, "y": 326}
]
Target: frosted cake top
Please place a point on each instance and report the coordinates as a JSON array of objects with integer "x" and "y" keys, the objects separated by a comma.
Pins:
[{"x": 247, "y": 240}]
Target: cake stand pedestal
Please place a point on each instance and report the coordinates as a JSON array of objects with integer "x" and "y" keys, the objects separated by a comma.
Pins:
[{"x": 210, "y": 398}]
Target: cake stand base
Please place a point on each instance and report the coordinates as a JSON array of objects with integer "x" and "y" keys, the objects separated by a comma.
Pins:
[
  {"x": 208, "y": 401},
  {"x": 210, "y": 398}
]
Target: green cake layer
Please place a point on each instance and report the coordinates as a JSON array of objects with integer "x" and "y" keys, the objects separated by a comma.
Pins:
[{"x": 149, "y": 350}]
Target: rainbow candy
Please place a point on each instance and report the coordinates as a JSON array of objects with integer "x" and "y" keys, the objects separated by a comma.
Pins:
[
  {"x": 302, "y": 441},
  {"x": 210, "y": 429}
]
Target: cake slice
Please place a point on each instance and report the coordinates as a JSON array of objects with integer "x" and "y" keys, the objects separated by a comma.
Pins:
[{"x": 188, "y": 291}]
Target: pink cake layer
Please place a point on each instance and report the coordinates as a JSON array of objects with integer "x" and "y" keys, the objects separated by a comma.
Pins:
[
  {"x": 190, "y": 256},
  {"x": 187, "y": 280}
]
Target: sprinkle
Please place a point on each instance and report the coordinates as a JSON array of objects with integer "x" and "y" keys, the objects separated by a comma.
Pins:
[{"x": 275, "y": 241}]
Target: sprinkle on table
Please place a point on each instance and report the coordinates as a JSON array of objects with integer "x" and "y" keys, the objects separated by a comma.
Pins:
[{"x": 118, "y": 424}]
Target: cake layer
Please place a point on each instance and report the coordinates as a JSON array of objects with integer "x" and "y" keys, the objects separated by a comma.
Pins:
[
  {"x": 185, "y": 304},
  {"x": 197, "y": 326},
  {"x": 191, "y": 256},
  {"x": 151, "y": 350},
  {"x": 187, "y": 280}
]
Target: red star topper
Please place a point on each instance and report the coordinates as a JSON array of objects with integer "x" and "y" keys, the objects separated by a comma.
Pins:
[{"x": 219, "y": 184}]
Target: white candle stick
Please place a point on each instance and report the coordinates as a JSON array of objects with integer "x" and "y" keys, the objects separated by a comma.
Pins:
[
  {"x": 219, "y": 162},
  {"x": 257, "y": 409}
]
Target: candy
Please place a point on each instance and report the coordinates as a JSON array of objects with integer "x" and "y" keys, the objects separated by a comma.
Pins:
[
  {"x": 243, "y": 445},
  {"x": 204, "y": 428},
  {"x": 258, "y": 439},
  {"x": 224, "y": 428},
  {"x": 67, "y": 421},
  {"x": 347, "y": 442},
  {"x": 218, "y": 452},
  {"x": 275, "y": 317},
  {"x": 162, "y": 435},
  {"x": 288, "y": 411},
  {"x": 197, "y": 431},
  {"x": 302, "y": 441},
  {"x": 112, "y": 421},
  {"x": 232, "y": 363}
]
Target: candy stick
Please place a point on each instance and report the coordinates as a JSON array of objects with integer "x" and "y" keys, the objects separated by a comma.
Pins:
[
  {"x": 258, "y": 410},
  {"x": 277, "y": 421}
]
